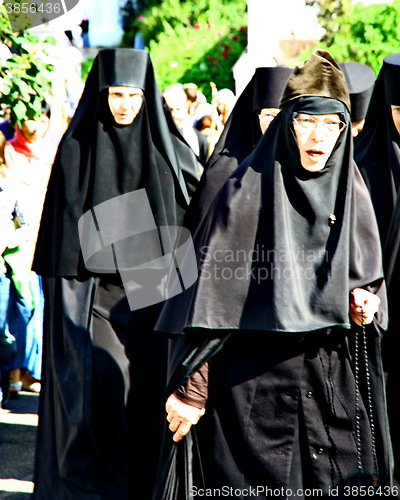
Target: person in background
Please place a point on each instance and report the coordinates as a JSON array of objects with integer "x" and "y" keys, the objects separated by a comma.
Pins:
[
  {"x": 253, "y": 112},
  {"x": 224, "y": 101},
  {"x": 128, "y": 15},
  {"x": 360, "y": 80},
  {"x": 183, "y": 139},
  {"x": 29, "y": 157},
  {"x": 377, "y": 154},
  {"x": 5, "y": 127},
  {"x": 118, "y": 169},
  {"x": 206, "y": 120},
  {"x": 176, "y": 100},
  {"x": 7, "y": 340},
  {"x": 282, "y": 370},
  {"x": 194, "y": 97},
  {"x": 84, "y": 25}
]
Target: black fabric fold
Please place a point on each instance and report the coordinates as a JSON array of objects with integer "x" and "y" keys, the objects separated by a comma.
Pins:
[
  {"x": 269, "y": 211},
  {"x": 98, "y": 160},
  {"x": 104, "y": 366}
]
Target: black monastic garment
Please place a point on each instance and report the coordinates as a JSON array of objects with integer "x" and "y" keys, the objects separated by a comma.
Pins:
[
  {"x": 360, "y": 80},
  {"x": 270, "y": 314},
  {"x": 377, "y": 154},
  {"x": 102, "y": 401},
  {"x": 240, "y": 135}
]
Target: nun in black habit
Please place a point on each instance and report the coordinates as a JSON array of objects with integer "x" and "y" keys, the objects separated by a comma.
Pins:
[
  {"x": 278, "y": 342},
  {"x": 258, "y": 102},
  {"x": 377, "y": 154},
  {"x": 117, "y": 178}
]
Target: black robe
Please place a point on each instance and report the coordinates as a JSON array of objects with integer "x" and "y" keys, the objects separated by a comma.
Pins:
[
  {"x": 270, "y": 313},
  {"x": 377, "y": 154},
  {"x": 104, "y": 367}
]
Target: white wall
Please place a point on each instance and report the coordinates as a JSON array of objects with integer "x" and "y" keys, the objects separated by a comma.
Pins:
[
  {"x": 268, "y": 22},
  {"x": 104, "y": 23}
]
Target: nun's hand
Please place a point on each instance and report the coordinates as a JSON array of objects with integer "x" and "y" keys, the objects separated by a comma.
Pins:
[
  {"x": 181, "y": 417},
  {"x": 363, "y": 306}
]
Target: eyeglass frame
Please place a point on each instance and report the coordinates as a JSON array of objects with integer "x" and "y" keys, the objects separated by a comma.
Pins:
[
  {"x": 269, "y": 116},
  {"x": 328, "y": 133}
]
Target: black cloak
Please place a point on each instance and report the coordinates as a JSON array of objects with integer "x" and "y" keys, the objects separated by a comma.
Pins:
[
  {"x": 279, "y": 252},
  {"x": 93, "y": 156},
  {"x": 240, "y": 135},
  {"x": 377, "y": 151},
  {"x": 103, "y": 367},
  {"x": 378, "y": 157}
]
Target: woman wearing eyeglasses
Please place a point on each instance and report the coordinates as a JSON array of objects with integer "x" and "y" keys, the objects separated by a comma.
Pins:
[{"x": 277, "y": 357}]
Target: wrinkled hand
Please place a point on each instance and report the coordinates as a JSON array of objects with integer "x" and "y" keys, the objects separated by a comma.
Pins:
[
  {"x": 181, "y": 417},
  {"x": 363, "y": 306}
]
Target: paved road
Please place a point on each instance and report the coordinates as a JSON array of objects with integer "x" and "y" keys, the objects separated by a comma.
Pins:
[{"x": 18, "y": 421}]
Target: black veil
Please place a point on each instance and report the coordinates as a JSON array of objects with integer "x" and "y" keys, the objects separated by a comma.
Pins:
[
  {"x": 240, "y": 135},
  {"x": 98, "y": 160}
]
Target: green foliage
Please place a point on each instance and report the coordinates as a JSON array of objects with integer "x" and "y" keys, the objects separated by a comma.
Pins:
[
  {"x": 195, "y": 42},
  {"x": 86, "y": 66},
  {"x": 25, "y": 75},
  {"x": 333, "y": 15},
  {"x": 364, "y": 33}
]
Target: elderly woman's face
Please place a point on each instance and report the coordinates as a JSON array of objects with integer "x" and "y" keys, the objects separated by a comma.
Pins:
[
  {"x": 125, "y": 103},
  {"x": 316, "y": 137}
]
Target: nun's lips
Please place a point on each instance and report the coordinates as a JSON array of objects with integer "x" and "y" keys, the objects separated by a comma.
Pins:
[
  {"x": 314, "y": 153},
  {"x": 124, "y": 117}
]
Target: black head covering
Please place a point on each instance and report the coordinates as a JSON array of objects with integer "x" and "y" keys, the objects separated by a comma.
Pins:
[
  {"x": 377, "y": 151},
  {"x": 320, "y": 76},
  {"x": 98, "y": 160},
  {"x": 269, "y": 83},
  {"x": 269, "y": 256},
  {"x": 360, "y": 81},
  {"x": 391, "y": 69},
  {"x": 239, "y": 137}
]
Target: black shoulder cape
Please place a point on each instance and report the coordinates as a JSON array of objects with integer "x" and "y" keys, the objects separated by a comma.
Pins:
[
  {"x": 272, "y": 216},
  {"x": 98, "y": 160}
]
